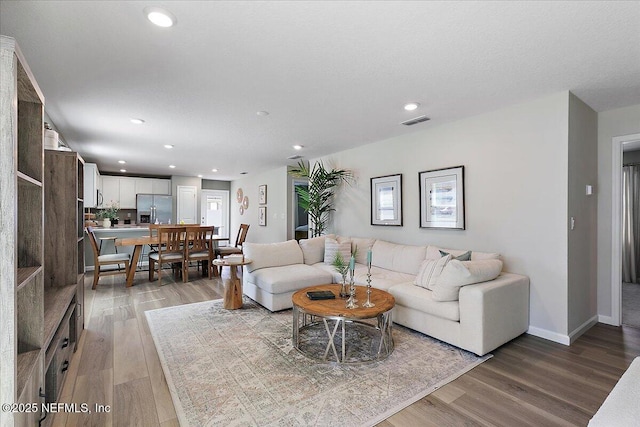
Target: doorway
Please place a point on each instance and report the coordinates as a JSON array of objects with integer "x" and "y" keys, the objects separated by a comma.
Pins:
[
  {"x": 215, "y": 210},
  {"x": 617, "y": 299},
  {"x": 300, "y": 220},
  {"x": 631, "y": 234},
  {"x": 187, "y": 205}
]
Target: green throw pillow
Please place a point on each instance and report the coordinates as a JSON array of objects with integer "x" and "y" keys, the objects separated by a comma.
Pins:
[{"x": 464, "y": 257}]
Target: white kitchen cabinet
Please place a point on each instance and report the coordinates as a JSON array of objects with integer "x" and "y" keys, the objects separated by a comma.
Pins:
[
  {"x": 92, "y": 187},
  {"x": 144, "y": 186},
  {"x": 110, "y": 190},
  {"x": 161, "y": 186},
  {"x": 127, "y": 193}
]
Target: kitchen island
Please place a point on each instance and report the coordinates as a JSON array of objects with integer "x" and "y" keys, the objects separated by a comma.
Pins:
[{"x": 108, "y": 246}]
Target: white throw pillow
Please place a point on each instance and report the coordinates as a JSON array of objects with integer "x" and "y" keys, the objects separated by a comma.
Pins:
[
  {"x": 457, "y": 274},
  {"x": 313, "y": 249},
  {"x": 430, "y": 270},
  {"x": 331, "y": 247},
  {"x": 362, "y": 244},
  {"x": 433, "y": 252}
]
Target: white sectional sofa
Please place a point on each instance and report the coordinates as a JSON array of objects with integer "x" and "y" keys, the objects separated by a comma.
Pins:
[{"x": 431, "y": 291}]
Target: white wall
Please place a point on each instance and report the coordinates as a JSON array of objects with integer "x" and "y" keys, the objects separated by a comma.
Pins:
[
  {"x": 618, "y": 122},
  {"x": 516, "y": 180},
  {"x": 583, "y": 171},
  {"x": 276, "y": 228}
]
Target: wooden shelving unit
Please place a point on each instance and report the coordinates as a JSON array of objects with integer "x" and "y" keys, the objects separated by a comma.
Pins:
[
  {"x": 21, "y": 260},
  {"x": 63, "y": 264}
]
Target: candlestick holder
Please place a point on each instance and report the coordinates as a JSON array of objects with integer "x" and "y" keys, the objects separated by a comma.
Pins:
[
  {"x": 368, "y": 302},
  {"x": 351, "y": 302}
]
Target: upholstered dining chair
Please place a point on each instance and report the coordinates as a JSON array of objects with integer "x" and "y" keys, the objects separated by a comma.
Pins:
[
  {"x": 200, "y": 248},
  {"x": 171, "y": 250},
  {"x": 237, "y": 249},
  {"x": 100, "y": 261}
]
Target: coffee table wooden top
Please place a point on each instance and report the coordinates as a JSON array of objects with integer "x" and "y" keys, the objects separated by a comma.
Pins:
[{"x": 383, "y": 300}]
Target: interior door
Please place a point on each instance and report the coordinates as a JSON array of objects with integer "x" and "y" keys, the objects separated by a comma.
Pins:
[
  {"x": 187, "y": 205},
  {"x": 215, "y": 210}
]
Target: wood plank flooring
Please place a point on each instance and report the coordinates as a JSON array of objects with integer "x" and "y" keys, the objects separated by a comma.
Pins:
[{"x": 528, "y": 382}]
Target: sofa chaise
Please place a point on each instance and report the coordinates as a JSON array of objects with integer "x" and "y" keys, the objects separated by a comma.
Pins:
[{"x": 460, "y": 297}]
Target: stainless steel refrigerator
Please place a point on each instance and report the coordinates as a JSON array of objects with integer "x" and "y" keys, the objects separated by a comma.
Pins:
[{"x": 154, "y": 208}]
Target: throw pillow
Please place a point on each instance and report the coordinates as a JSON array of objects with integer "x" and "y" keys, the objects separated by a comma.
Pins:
[
  {"x": 464, "y": 257},
  {"x": 331, "y": 247},
  {"x": 457, "y": 274},
  {"x": 430, "y": 270},
  {"x": 312, "y": 249}
]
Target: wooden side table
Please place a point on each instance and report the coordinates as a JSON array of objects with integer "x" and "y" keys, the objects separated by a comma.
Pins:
[{"x": 232, "y": 287}]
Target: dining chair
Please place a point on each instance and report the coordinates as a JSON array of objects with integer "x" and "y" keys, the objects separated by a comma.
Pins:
[
  {"x": 199, "y": 248},
  {"x": 170, "y": 250},
  {"x": 100, "y": 261},
  {"x": 237, "y": 249}
]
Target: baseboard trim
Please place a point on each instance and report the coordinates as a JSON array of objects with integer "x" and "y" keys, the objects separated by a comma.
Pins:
[
  {"x": 607, "y": 320},
  {"x": 549, "y": 335},
  {"x": 573, "y": 336}
]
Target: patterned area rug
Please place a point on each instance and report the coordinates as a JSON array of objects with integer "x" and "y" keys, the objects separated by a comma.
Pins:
[{"x": 231, "y": 368}]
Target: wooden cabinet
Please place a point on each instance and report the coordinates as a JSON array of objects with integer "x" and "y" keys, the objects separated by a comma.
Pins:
[
  {"x": 144, "y": 185},
  {"x": 127, "y": 193},
  {"x": 110, "y": 189},
  {"x": 63, "y": 264},
  {"x": 92, "y": 187},
  {"x": 21, "y": 234},
  {"x": 161, "y": 186}
]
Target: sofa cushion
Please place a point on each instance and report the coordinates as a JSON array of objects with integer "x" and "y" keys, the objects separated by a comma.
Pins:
[
  {"x": 462, "y": 257},
  {"x": 433, "y": 252},
  {"x": 461, "y": 273},
  {"x": 332, "y": 246},
  {"x": 430, "y": 270},
  {"x": 362, "y": 245},
  {"x": 401, "y": 258},
  {"x": 313, "y": 249},
  {"x": 277, "y": 280},
  {"x": 380, "y": 277},
  {"x": 272, "y": 254},
  {"x": 421, "y": 299}
]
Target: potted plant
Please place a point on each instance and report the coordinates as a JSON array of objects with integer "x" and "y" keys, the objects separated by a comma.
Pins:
[
  {"x": 109, "y": 214},
  {"x": 317, "y": 199},
  {"x": 342, "y": 266}
]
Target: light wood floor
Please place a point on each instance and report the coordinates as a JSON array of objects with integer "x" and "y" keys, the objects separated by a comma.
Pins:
[{"x": 529, "y": 381}]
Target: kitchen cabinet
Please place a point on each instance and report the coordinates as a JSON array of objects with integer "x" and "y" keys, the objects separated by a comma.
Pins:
[
  {"x": 161, "y": 186},
  {"x": 123, "y": 190},
  {"x": 92, "y": 188},
  {"x": 21, "y": 234}
]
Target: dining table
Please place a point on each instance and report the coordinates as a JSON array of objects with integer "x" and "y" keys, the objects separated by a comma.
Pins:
[{"x": 139, "y": 242}]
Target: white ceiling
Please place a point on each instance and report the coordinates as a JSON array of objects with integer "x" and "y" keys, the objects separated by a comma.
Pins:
[{"x": 333, "y": 75}]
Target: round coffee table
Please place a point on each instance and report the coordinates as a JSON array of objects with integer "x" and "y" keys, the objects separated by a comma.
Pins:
[{"x": 362, "y": 334}]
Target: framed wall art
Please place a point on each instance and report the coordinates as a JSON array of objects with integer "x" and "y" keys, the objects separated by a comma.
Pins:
[
  {"x": 442, "y": 198},
  {"x": 262, "y": 215},
  {"x": 386, "y": 200},
  {"x": 262, "y": 194}
]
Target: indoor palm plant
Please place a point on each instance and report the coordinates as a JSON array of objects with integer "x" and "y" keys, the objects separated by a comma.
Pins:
[{"x": 317, "y": 198}]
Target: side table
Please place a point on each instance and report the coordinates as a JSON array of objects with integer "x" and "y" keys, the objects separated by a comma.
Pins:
[{"x": 232, "y": 287}]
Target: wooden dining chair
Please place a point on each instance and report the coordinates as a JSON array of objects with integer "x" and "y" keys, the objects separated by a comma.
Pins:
[
  {"x": 237, "y": 249},
  {"x": 199, "y": 248},
  {"x": 171, "y": 250},
  {"x": 100, "y": 261}
]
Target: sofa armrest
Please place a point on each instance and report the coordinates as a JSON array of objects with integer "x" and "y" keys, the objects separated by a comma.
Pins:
[{"x": 493, "y": 313}]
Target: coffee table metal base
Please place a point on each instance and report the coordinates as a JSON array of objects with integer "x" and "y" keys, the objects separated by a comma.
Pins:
[{"x": 342, "y": 333}]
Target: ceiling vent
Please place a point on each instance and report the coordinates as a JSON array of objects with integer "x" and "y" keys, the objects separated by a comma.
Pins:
[
  {"x": 294, "y": 157},
  {"x": 415, "y": 120}
]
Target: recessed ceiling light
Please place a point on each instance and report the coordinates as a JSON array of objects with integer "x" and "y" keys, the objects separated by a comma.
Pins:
[
  {"x": 262, "y": 113},
  {"x": 411, "y": 106},
  {"x": 298, "y": 147},
  {"x": 199, "y": 176},
  {"x": 122, "y": 162},
  {"x": 168, "y": 146},
  {"x": 214, "y": 170},
  {"x": 160, "y": 17},
  {"x": 172, "y": 166},
  {"x": 136, "y": 121},
  {"x": 123, "y": 170}
]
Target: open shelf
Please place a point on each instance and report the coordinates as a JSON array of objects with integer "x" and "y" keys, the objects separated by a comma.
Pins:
[
  {"x": 56, "y": 303},
  {"x": 26, "y": 274},
  {"x": 26, "y": 363}
]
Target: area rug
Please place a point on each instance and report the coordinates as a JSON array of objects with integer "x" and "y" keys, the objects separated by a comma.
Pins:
[{"x": 238, "y": 367}]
